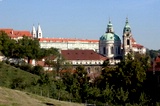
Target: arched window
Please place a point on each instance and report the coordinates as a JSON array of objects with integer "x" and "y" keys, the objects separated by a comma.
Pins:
[
  {"x": 119, "y": 50},
  {"x": 104, "y": 50},
  {"x": 128, "y": 42},
  {"x": 112, "y": 50}
]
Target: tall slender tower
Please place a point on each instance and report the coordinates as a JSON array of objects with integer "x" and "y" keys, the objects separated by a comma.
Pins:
[
  {"x": 127, "y": 39},
  {"x": 34, "y": 32},
  {"x": 39, "y": 32}
]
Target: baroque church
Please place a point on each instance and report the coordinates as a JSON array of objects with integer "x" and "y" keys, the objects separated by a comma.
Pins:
[{"x": 110, "y": 44}]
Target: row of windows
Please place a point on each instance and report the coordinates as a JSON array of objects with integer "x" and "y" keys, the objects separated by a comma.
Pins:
[
  {"x": 66, "y": 43},
  {"x": 86, "y": 62}
]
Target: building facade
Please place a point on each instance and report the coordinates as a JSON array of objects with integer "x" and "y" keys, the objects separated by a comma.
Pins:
[{"x": 67, "y": 44}]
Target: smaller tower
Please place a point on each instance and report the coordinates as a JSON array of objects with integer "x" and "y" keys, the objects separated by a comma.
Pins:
[
  {"x": 39, "y": 32},
  {"x": 127, "y": 39},
  {"x": 34, "y": 32}
]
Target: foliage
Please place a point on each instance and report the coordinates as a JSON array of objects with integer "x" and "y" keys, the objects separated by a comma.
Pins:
[
  {"x": 28, "y": 48},
  {"x": 18, "y": 83},
  {"x": 38, "y": 70},
  {"x": 153, "y": 53},
  {"x": 7, "y": 46}
]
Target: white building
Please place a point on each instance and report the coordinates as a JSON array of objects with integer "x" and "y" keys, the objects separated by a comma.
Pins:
[{"x": 66, "y": 43}]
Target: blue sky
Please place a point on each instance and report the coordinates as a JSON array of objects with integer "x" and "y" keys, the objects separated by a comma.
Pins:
[{"x": 86, "y": 19}]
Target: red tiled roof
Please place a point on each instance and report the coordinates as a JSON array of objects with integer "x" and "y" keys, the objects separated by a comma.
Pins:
[
  {"x": 22, "y": 33},
  {"x": 137, "y": 45},
  {"x": 81, "y": 55},
  {"x": 15, "y": 33},
  {"x": 66, "y": 40},
  {"x": 41, "y": 63}
]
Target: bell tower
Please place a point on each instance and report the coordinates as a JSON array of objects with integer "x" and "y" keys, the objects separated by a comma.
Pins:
[
  {"x": 127, "y": 39},
  {"x": 39, "y": 32}
]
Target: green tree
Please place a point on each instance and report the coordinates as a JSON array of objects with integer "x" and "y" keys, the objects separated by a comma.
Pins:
[
  {"x": 125, "y": 80},
  {"x": 28, "y": 48},
  {"x": 8, "y": 46},
  {"x": 83, "y": 80},
  {"x": 130, "y": 75}
]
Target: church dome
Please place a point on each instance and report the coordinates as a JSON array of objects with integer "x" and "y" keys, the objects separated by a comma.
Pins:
[{"x": 109, "y": 37}]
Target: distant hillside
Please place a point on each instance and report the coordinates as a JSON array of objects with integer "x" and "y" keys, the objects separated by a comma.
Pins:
[{"x": 9, "y": 97}]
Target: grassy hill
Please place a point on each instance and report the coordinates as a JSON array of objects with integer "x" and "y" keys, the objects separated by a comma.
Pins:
[
  {"x": 12, "y": 77},
  {"x": 9, "y": 74},
  {"x": 9, "y": 97}
]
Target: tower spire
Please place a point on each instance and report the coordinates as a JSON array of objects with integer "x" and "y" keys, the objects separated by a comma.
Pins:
[
  {"x": 110, "y": 27},
  {"x": 33, "y": 31},
  {"x": 39, "y": 31},
  {"x": 127, "y": 23}
]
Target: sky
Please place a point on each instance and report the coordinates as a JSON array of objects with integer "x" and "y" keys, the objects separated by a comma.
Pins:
[{"x": 84, "y": 19}]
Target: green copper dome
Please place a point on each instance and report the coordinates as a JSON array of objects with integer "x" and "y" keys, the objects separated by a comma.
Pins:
[{"x": 109, "y": 36}]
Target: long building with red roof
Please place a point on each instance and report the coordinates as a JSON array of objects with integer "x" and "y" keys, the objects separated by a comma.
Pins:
[
  {"x": 16, "y": 34},
  {"x": 88, "y": 58}
]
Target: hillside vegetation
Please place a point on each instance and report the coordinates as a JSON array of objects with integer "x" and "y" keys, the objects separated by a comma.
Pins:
[{"x": 14, "y": 77}]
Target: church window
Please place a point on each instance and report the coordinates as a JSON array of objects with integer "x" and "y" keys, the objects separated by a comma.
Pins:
[
  {"x": 112, "y": 50},
  {"x": 39, "y": 34},
  {"x": 128, "y": 42},
  {"x": 119, "y": 50},
  {"x": 116, "y": 50},
  {"x": 104, "y": 50}
]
